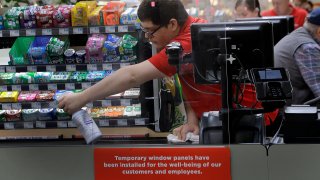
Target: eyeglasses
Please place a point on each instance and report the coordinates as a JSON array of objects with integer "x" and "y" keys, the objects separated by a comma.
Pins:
[{"x": 150, "y": 34}]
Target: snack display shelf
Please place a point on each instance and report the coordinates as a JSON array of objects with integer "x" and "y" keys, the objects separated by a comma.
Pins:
[
  {"x": 53, "y": 104},
  {"x": 46, "y": 86},
  {"x": 68, "y": 31},
  {"x": 107, "y": 122},
  {"x": 64, "y": 67}
]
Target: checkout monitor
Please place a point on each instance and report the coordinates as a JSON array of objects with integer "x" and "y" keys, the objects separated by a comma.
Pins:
[
  {"x": 250, "y": 43},
  {"x": 281, "y": 25}
]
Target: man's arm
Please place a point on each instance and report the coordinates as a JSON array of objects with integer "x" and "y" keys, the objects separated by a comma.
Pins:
[
  {"x": 122, "y": 79},
  {"x": 307, "y": 58}
]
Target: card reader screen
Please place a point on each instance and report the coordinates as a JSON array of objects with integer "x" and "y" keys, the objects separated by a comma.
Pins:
[{"x": 270, "y": 74}]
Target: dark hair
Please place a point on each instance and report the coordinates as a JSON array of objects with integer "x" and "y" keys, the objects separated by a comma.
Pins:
[
  {"x": 251, "y": 4},
  {"x": 159, "y": 12}
]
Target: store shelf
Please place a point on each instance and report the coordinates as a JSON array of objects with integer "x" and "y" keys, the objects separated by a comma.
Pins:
[
  {"x": 68, "y": 31},
  {"x": 64, "y": 67},
  {"x": 45, "y": 87},
  {"x": 53, "y": 104},
  {"x": 115, "y": 122}
]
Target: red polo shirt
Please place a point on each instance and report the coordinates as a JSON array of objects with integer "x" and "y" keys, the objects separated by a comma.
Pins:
[
  {"x": 211, "y": 98},
  {"x": 299, "y": 15}
]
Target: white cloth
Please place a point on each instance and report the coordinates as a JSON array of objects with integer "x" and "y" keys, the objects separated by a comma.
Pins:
[{"x": 189, "y": 137}]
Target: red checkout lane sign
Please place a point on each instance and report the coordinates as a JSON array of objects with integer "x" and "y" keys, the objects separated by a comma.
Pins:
[{"x": 162, "y": 163}]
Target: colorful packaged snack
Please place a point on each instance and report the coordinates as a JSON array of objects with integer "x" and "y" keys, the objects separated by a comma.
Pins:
[
  {"x": 137, "y": 110},
  {"x": 79, "y": 76},
  {"x": 2, "y": 115},
  {"x": 94, "y": 17},
  {"x": 8, "y": 78},
  {"x": 24, "y": 77},
  {"x": 96, "y": 75},
  {"x": 30, "y": 114},
  {"x": 61, "y": 115},
  {"x": 45, "y": 17},
  {"x": 128, "y": 111},
  {"x": 45, "y": 96},
  {"x": 111, "y": 12},
  {"x": 13, "y": 115},
  {"x": 28, "y": 17},
  {"x": 27, "y": 96},
  {"x": 128, "y": 48},
  {"x": 9, "y": 96},
  {"x": 70, "y": 56},
  {"x": 94, "y": 47},
  {"x": 80, "y": 56},
  {"x": 79, "y": 14},
  {"x": 111, "y": 49},
  {"x": 60, "y": 76},
  {"x": 62, "y": 16},
  {"x": 118, "y": 111},
  {"x": 132, "y": 93},
  {"x": 46, "y": 114},
  {"x": 42, "y": 77}
]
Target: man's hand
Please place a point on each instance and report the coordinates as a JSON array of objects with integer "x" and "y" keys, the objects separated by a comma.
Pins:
[
  {"x": 72, "y": 102},
  {"x": 182, "y": 131}
]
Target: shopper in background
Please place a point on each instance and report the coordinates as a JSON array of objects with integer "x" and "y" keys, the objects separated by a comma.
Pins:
[
  {"x": 308, "y": 6},
  {"x": 247, "y": 9},
  {"x": 163, "y": 22},
  {"x": 283, "y": 7},
  {"x": 299, "y": 52}
]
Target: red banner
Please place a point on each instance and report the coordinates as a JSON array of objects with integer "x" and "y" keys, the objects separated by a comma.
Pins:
[{"x": 162, "y": 163}]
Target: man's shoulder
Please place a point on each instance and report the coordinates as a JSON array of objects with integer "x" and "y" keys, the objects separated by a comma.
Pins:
[
  {"x": 299, "y": 11},
  {"x": 270, "y": 12}
]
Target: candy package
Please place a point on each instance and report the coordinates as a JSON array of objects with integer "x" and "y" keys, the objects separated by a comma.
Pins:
[
  {"x": 45, "y": 17},
  {"x": 111, "y": 12},
  {"x": 128, "y": 48},
  {"x": 94, "y": 17},
  {"x": 28, "y": 17},
  {"x": 111, "y": 52},
  {"x": 94, "y": 47},
  {"x": 62, "y": 16},
  {"x": 79, "y": 14}
]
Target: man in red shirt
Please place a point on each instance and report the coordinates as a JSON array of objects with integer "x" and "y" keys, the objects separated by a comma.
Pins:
[
  {"x": 283, "y": 7},
  {"x": 163, "y": 22}
]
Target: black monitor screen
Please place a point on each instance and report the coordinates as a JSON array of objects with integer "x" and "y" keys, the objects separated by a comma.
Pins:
[
  {"x": 281, "y": 25},
  {"x": 249, "y": 42}
]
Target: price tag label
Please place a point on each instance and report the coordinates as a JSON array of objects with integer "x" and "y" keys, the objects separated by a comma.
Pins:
[
  {"x": 3, "y": 88},
  {"x": 28, "y": 125},
  {"x": 122, "y": 122},
  {"x": 51, "y": 68},
  {"x": 52, "y": 87},
  {"x": 30, "y": 32},
  {"x": 40, "y": 124},
  {"x": 107, "y": 66},
  {"x": 35, "y": 105},
  {"x": 63, "y": 31},
  {"x": 71, "y": 124},
  {"x": 94, "y": 30},
  {"x": 10, "y": 69},
  {"x": 110, "y": 29},
  {"x": 70, "y": 86},
  {"x": 92, "y": 67},
  {"x": 62, "y": 124},
  {"x": 124, "y": 65},
  {"x": 32, "y": 68},
  {"x": 123, "y": 28},
  {"x": 53, "y": 104},
  {"x": 9, "y": 125},
  {"x": 106, "y": 103},
  {"x": 2, "y": 69},
  {"x": 71, "y": 67},
  {"x": 33, "y": 87},
  {"x": 103, "y": 123},
  {"x": 47, "y": 32},
  {"x": 16, "y": 106},
  {"x": 1, "y": 35},
  {"x": 6, "y": 106},
  {"x": 85, "y": 85},
  {"x": 125, "y": 102},
  {"x": 77, "y": 30},
  {"x": 16, "y": 87},
  {"x": 14, "y": 33},
  {"x": 139, "y": 122},
  {"x": 90, "y": 105}
]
